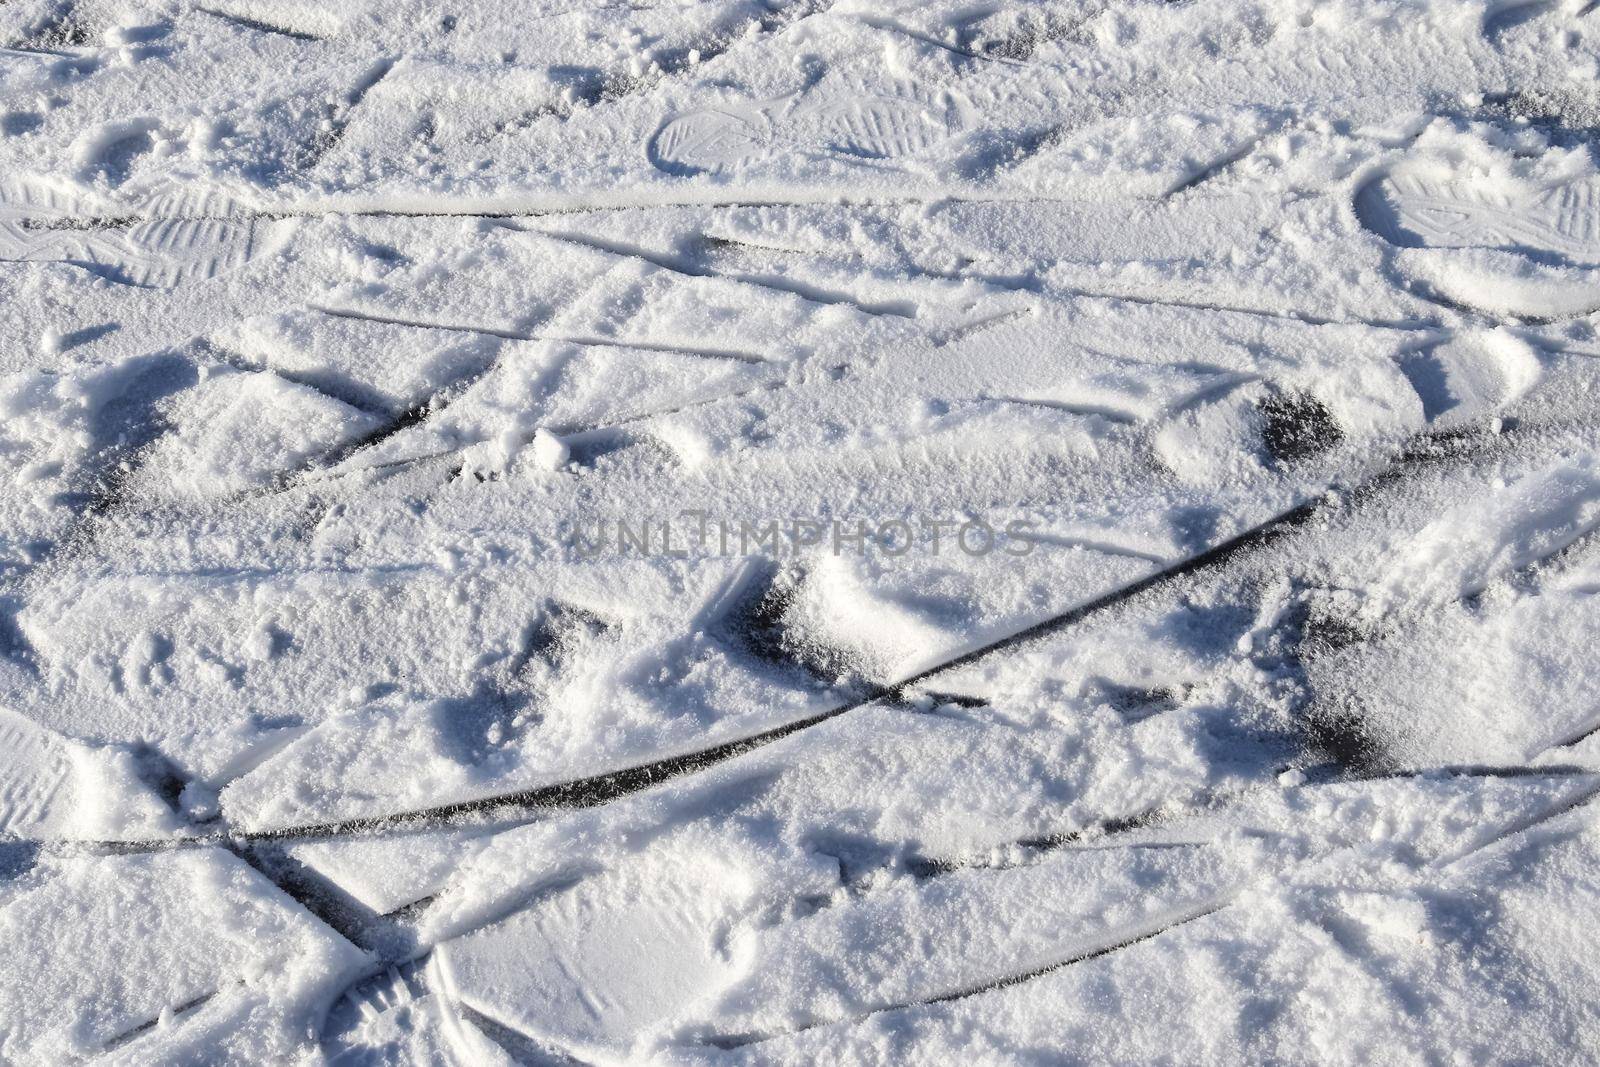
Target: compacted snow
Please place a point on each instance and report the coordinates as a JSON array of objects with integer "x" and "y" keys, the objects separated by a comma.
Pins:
[{"x": 799, "y": 531}]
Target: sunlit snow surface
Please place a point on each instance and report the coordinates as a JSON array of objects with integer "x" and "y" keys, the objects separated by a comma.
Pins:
[{"x": 435, "y": 620}]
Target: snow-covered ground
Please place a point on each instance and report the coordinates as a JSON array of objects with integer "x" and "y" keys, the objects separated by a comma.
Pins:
[{"x": 799, "y": 531}]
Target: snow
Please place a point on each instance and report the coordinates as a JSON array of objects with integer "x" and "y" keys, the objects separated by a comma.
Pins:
[{"x": 798, "y": 531}]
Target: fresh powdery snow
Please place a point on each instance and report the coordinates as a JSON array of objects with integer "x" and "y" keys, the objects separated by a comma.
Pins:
[{"x": 711, "y": 532}]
